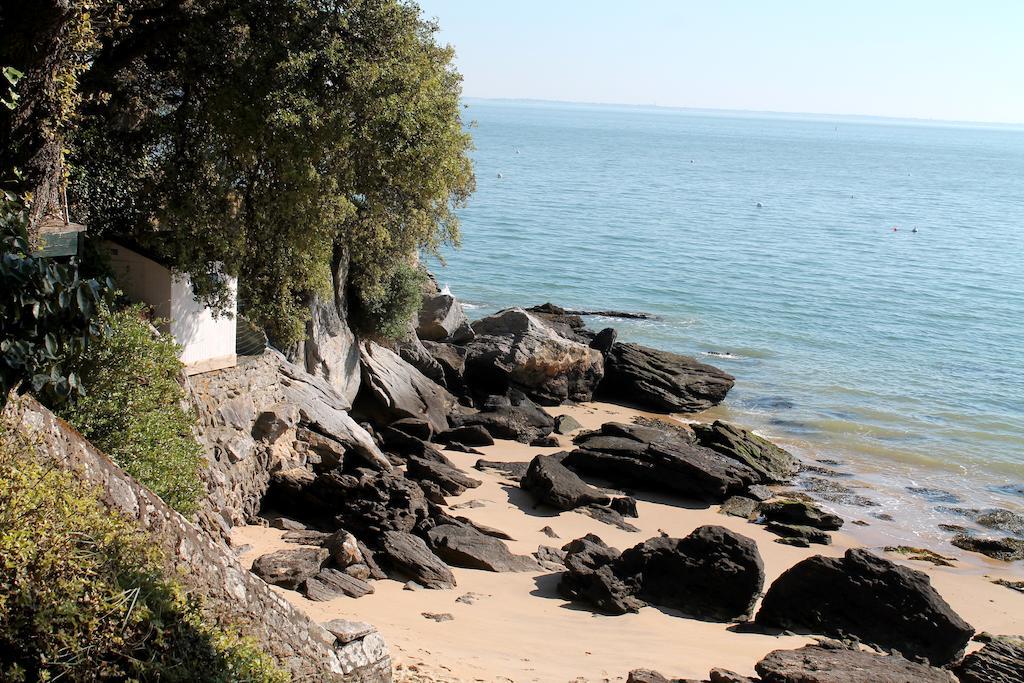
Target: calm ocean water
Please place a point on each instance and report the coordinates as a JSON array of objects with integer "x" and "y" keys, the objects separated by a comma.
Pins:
[{"x": 899, "y": 353}]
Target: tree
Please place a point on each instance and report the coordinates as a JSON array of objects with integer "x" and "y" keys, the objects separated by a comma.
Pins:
[{"x": 255, "y": 137}]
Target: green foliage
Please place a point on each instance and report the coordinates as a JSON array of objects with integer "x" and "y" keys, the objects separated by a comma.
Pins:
[
  {"x": 384, "y": 308},
  {"x": 132, "y": 408},
  {"x": 263, "y": 135},
  {"x": 12, "y": 76},
  {"x": 83, "y": 596},
  {"x": 47, "y": 314}
]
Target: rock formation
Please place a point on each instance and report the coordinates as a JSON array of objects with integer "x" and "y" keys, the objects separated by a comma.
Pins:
[{"x": 660, "y": 380}]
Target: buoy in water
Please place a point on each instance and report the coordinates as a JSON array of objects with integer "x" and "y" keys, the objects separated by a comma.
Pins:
[
  {"x": 760, "y": 205},
  {"x": 914, "y": 230},
  {"x": 500, "y": 176}
]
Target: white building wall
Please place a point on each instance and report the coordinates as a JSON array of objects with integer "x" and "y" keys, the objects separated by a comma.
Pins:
[{"x": 208, "y": 342}]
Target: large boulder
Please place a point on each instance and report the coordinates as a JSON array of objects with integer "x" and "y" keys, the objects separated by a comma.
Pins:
[
  {"x": 661, "y": 380},
  {"x": 800, "y": 513},
  {"x": 394, "y": 389},
  {"x": 551, "y": 482},
  {"x": 369, "y": 503},
  {"x": 774, "y": 464},
  {"x": 441, "y": 319},
  {"x": 514, "y": 348},
  {"x": 409, "y": 556},
  {"x": 413, "y": 352},
  {"x": 873, "y": 599},
  {"x": 1000, "y": 661},
  {"x": 291, "y": 567},
  {"x": 442, "y": 472},
  {"x": 329, "y": 349},
  {"x": 515, "y": 417},
  {"x": 465, "y": 546},
  {"x": 817, "y": 664},
  {"x": 452, "y": 361},
  {"x": 657, "y": 459},
  {"x": 590, "y": 577},
  {"x": 713, "y": 573}
]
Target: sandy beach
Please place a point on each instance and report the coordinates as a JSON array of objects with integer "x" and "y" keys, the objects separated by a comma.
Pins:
[{"x": 516, "y": 627}]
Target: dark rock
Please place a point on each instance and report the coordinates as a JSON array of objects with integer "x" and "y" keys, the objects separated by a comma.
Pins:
[
  {"x": 661, "y": 380},
  {"x": 344, "y": 548},
  {"x": 413, "y": 352},
  {"x": 410, "y": 556},
  {"x": 873, "y": 599},
  {"x": 816, "y": 664},
  {"x": 713, "y": 573},
  {"x": 414, "y": 427},
  {"x": 798, "y": 542},
  {"x": 739, "y": 506},
  {"x": 1000, "y": 661},
  {"x": 514, "y": 348},
  {"x": 461, "y": 448},
  {"x": 799, "y": 532},
  {"x": 358, "y": 571},
  {"x": 921, "y": 555},
  {"x": 513, "y": 470},
  {"x": 484, "y": 529},
  {"x": 607, "y": 515},
  {"x": 549, "y": 532},
  {"x": 450, "y": 478},
  {"x": 774, "y": 464},
  {"x": 441, "y": 319},
  {"x": 548, "y": 441},
  {"x": 1005, "y": 549},
  {"x": 759, "y": 493},
  {"x": 725, "y": 676},
  {"x": 566, "y": 424},
  {"x": 625, "y": 506},
  {"x": 800, "y": 513},
  {"x": 305, "y": 537},
  {"x": 287, "y": 524},
  {"x": 437, "y": 616},
  {"x": 1012, "y": 585},
  {"x": 648, "y": 676},
  {"x": 472, "y": 435},
  {"x": 519, "y": 419},
  {"x": 934, "y": 495},
  {"x": 370, "y": 559},
  {"x": 464, "y": 546},
  {"x": 604, "y": 340},
  {"x": 1002, "y": 520},
  {"x": 432, "y": 492},
  {"x": 589, "y": 577},
  {"x": 392, "y": 389},
  {"x": 452, "y": 361},
  {"x": 547, "y": 554},
  {"x": 372, "y": 502},
  {"x": 552, "y": 483},
  {"x": 331, "y": 583},
  {"x": 289, "y": 568},
  {"x": 656, "y": 459}
]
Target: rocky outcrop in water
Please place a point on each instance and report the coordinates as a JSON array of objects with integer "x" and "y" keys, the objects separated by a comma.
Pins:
[
  {"x": 660, "y": 380},
  {"x": 514, "y": 349},
  {"x": 441, "y": 319},
  {"x": 772, "y": 463},
  {"x": 659, "y": 460},
  {"x": 873, "y": 599}
]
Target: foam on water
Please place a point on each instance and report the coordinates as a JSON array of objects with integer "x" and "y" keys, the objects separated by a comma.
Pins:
[{"x": 899, "y": 353}]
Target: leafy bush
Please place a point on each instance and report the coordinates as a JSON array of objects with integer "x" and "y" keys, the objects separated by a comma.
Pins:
[
  {"x": 47, "y": 314},
  {"x": 132, "y": 408},
  {"x": 385, "y": 310},
  {"x": 83, "y": 596}
]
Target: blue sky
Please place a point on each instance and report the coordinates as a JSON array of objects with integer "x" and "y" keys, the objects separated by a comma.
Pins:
[{"x": 933, "y": 59}]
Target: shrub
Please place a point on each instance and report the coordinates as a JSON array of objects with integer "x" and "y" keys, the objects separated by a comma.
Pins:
[
  {"x": 133, "y": 408},
  {"x": 83, "y": 596},
  {"x": 386, "y": 309},
  {"x": 47, "y": 314}
]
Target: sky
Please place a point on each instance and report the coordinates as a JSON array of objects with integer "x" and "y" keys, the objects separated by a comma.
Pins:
[{"x": 929, "y": 59}]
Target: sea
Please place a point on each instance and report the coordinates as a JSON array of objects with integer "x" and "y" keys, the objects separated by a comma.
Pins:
[{"x": 862, "y": 278}]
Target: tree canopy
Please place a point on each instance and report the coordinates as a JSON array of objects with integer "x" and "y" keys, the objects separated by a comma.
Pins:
[{"x": 258, "y": 137}]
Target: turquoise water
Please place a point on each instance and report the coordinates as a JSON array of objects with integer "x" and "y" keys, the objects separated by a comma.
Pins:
[{"x": 897, "y": 352}]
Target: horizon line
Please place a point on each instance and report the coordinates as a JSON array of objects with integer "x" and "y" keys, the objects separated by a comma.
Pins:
[{"x": 877, "y": 117}]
